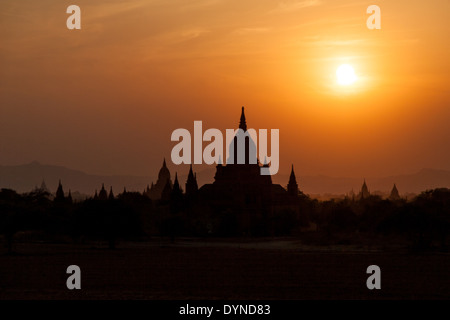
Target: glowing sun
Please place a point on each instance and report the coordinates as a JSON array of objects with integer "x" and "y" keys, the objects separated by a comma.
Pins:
[{"x": 345, "y": 74}]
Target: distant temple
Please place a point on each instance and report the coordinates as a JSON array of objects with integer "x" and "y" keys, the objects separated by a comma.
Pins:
[
  {"x": 103, "y": 195},
  {"x": 59, "y": 196},
  {"x": 364, "y": 193},
  {"x": 191, "y": 184},
  {"x": 42, "y": 189},
  {"x": 394, "y": 194},
  {"x": 292, "y": 186},
  {"x": 237, "y": 187},
  {"x": 163, "y": 185}
]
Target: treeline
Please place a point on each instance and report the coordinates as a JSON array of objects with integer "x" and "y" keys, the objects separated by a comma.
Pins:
[{"x": 423, "y": 222}]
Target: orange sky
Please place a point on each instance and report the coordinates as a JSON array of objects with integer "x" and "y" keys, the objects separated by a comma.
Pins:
[{"x": 105, "y": 99}]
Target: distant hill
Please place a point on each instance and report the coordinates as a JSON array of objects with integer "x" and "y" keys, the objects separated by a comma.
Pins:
[{"x": 24, "y": 178}]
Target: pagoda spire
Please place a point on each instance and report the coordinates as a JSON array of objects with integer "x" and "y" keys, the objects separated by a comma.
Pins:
[
  {"x": 191, "y": 173},
  {"x": 394, "y": 193},
  {"x": 176, "y": 185},
  {"x": 59, "y": 192},
  {"x": 111, "y": 194},
  {"x": 103, "y": 195},
  {"x": 242, "y": 123},
  {"x": 364, "y": 193},
  {"x": 191, "y": 183},
  {"x": 176, "y": 189},
  {"x": 292, "y": 185},
  {"x": 44, "y": 186},
  {"x": 292, "y": 176}
]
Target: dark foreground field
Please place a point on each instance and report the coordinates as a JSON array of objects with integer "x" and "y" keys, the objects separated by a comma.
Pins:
[{"x": 220, "y": 270}]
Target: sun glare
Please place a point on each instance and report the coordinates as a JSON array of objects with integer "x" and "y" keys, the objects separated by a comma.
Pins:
[{"x": 345, "y": 75}]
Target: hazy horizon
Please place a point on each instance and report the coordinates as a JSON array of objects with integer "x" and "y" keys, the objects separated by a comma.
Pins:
[
  {"x": 183, "y": 169},
  {"x": 354, "y": 95},
  {"x": 105, "y": 99},
  {"x": 24, "y": 178}
]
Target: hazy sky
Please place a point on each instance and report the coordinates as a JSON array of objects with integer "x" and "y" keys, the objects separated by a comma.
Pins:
[{"x": 105, "y": 99}]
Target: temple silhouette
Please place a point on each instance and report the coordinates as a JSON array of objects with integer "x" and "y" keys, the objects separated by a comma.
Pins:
[
  {"x": 239, "y": 198},
  {"x": 238, "y": 188},
  {"x": 155, "y": 192},
  {"x": 364, "y": 193}
]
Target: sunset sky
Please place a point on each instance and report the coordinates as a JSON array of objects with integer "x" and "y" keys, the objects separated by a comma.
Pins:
[{"x": 105, "y": 99}]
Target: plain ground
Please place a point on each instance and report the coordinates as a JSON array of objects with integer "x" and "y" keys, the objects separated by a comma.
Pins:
[{"x": 275, "y": 269}]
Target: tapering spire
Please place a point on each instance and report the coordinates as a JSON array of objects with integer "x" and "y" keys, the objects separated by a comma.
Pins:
[
  {"x": 103, "y": 195},
  {"x": 164, "y": 163},
  {"x": 191, "y": 183},
  {"x": 44, "y": 186},
  {"x": 394, "y": 193},
  {"x": 364, "y": 193},
  {"x": 394, "y": 189},
  {"x": 59, "y": 192},
  {"x": 111, "y": 194},
  {"x": 292, "y": 178},
  {"x": 292, "y": 185},
  {"x": 242, "y": 123},
  {"x": 175, "y": 183},
  {"x": 191, "y": 173}
]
